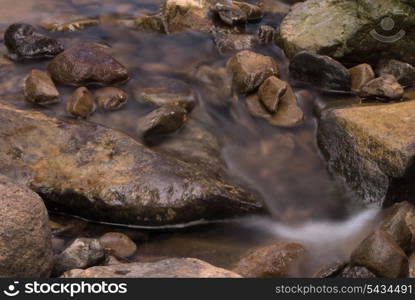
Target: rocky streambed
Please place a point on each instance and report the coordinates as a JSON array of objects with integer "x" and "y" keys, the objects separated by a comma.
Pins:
[{"x": 205, "y": 138}]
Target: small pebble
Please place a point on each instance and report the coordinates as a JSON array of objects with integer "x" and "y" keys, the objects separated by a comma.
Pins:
[
  {"x": 120, "y": 244},
  {"x": 82, "y": 103},
  {"x": 111, "y": 98},
  {"x": 40, "y": 89}
]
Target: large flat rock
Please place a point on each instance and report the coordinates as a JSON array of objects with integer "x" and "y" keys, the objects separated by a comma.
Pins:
[
  {"x": 101, "y": 174},
  {"x": 371, "y": 148}
]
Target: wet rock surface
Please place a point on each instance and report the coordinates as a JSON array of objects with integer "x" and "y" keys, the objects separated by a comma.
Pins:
[
  {"x": 277, "y": 260},
  {"x": 360, "y": 76},
  {"x": 230, "y": 14},
  {"x": 377, "y": 165},
  {"x": 320, "y": 71},
  {"x": 119, "y": 244},
  {"x": 350, "y": 30},
  {"x": 250, "y": 69},
  {"x": 24, "y": 42},
  {"x": 81, "y": 104},
  {"x": 126, "y": 182},
  {"x": 288, "y": 114},
  {"x": 160, "y": 90},
  {"x": 382, "y": 255},
  {"x": 169, "y": 268},
  {"x": 40, "y": 89},
  {"x": 82, "y": 253},
  {"x": 271, "y": 91},
  {"x": 25, "y": 236},
  {"x": 111, "y": 98},
  {"x": 403, "y": 72},
  {"x": 384, "y": 87},
  {"x": 164, "y": 120},
  {"x": 84, "y": 64},
  {"x": 356, "y": 272}
]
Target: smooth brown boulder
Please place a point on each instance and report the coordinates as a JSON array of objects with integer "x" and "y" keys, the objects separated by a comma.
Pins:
[
  {"x": 25, "y": 236},
  {"x": 101, "y": 174},
  {"x": 249, "y": 70},
  {"x": 382, "y": 255},
  {"x": 168, "y": 268},
  {"x": 270, "y": 93},
  {"x": 85, "y": 64},
  {"x": 119, "y": 244},
  {"x": 361, "y": 74},
  {"x": 40, "y": 89},
  {"x": 384, "y": 87},
  {"x": 277, "y": 260}
]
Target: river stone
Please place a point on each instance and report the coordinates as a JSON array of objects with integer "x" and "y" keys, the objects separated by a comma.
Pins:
[
  {"x": 382, "y": 255},
  {"x": 40, "y": 89},
  {"x": 101, "y": 174},
  {"x": 160, "y": 90},
  {"x": 81, "y": 104},
  {"x": 370, "y": 148},
  {"x": 120, "y": 245},
  {"x": 360, "y": 75},
  {"x": 230, "y": 14},
  {"x": 266, "y": 34},
  {"x": 249, "y": 70},
  {"x": 403, "y": 72},
  {"x": 184, "y": 15},
  {"x": 164, "y": 120},
  {"x": 24, "y": 42},
  {"x": 289, "y": 113},
  {"x": 111, "y": 98},
  {"x": 397, "y": 221},
  {"x": 25, "y": 236},
  {"x": 168, "y": 268},
  {"x": 384, "y": 87},
  {"x": 320, "y": 72},
  {"x": 277, "y": 260},
  {"x": 82, "y": 253},
  {"x": 84, "y": 64},
  {"x": 270, "y": 92},
  {"x": 351, "y": 30}
]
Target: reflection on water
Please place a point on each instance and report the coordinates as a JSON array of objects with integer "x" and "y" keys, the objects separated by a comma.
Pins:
[{"x": 283, "y": 164}]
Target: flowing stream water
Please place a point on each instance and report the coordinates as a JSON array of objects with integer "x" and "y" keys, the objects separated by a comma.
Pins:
[{"x": 283, "y": 164}]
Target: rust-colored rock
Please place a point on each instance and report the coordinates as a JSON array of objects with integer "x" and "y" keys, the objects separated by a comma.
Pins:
[{"x": 276, "y": 260}]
